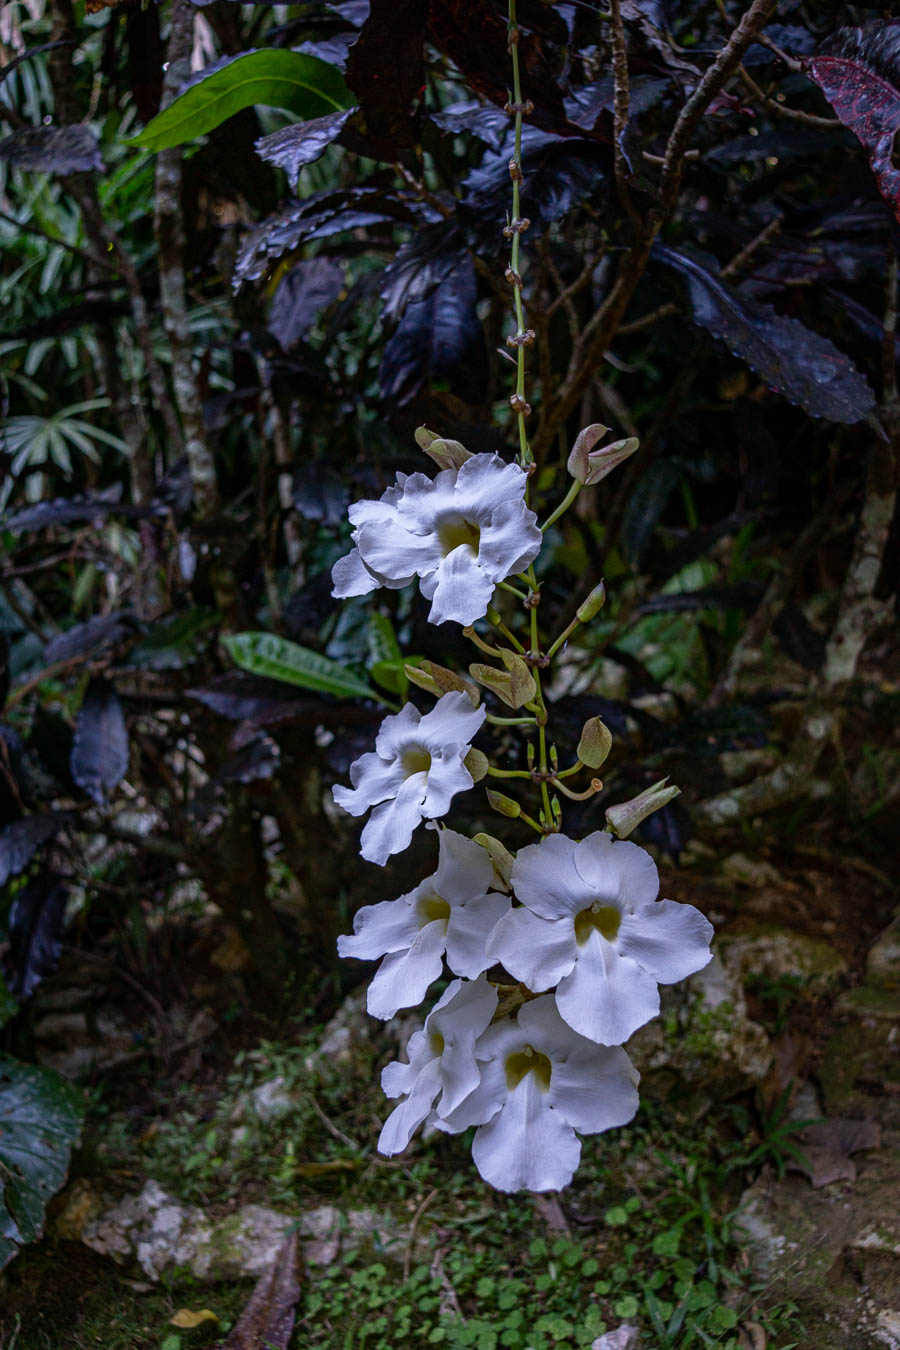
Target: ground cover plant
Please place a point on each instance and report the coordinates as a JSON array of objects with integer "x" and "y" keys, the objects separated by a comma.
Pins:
[{"x": 250, "y": 283}]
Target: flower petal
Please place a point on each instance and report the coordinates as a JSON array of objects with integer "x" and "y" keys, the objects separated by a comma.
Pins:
[
  {"x": 616, "y": 871},
  {"x": 403, "y": 977},
  {"x": 539, "y": 952},
  {"x": 545, "y": 878},
  {"x": 390, "y": 826},
  {"x": 406, "y": 1118},
  {"x": 528, "y": 1146},
  {"x": 511, "y": 541},
  {"x": 461, "y": 1020},
  {"x": 607, "y": 996},
  {"x": 484, "y": 483},
  {"x": 351, "y": 576},
  {"x": 374, "y": 780},
  {"x": 447, "y": 776},
  {"x": 452, "y": 721},
  {"x": 669, "y": 940},
  {"x": 396, "y": 732},
  {"x": 463, "y": 590},
  {"x": 469, "y": 927},
  {"x": 595, "y": 1087},
  {"x": 464, "y": 868},
  {"x": 393, "y": 552},
  {"x": 389, "y": 926}
]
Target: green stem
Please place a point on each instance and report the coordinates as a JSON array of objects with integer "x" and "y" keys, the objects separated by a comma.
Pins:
[
  {"x": 513, "y": 590},
  {"x": 525, "y": 454},
  {"x": 511, "y": 721},
  {"x": 508, "y": 773},
  {"x": 566, "y": 633},
  {"x": 564, "y": 504}
]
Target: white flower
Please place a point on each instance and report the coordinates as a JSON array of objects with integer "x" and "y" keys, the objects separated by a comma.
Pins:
[
  {"x": 441, "y": 1060},
  {"x": 593, "y": 926},
  {"x": 412, "y": 774},
  {"x": 452, "y": 911},
  {"x": 460, "y": 534},
  {"x": 540, "y": 1082}
]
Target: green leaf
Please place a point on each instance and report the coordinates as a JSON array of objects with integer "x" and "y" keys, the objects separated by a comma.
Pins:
[
  {"x": 273, "y": 78},
  {"x": 276, "y": 657},
  {"x": 41, "y": 1115}
]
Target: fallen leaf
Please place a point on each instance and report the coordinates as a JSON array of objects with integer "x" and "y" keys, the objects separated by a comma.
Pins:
[
  {"x": 551, "y": 1212},
  {"x": 188, "y": 1319},
  {"x": 827, "y": 1147},
  {"x": 268, "y": 1319}
]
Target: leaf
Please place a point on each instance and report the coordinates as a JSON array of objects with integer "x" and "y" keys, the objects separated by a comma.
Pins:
[
  {"x": 303, "y": 143},
  {"x": 429, "y": 258},
  {"x": 36, "y": 919},
  {"x": 316, "y": 217},
  {"x": 319, "y": 493},
  {"x": 87, "y": 638},
  {"x": 279, "y": 659},
  {"x": 440, "y": 337},
  {"x": 21, "y": 839},
  {"x": 490, "y": 124},
  {"x": 858, "y": 71},
  {"x": 72, "y": 149},
  {"x": 302, "y": 294},
  {"x": 99, "y": 759},
  {"x": 268, "y": 1319},
  {"x": 41, "y": 1115},
  {"x": 559, "y": 175},
  {"x": 272, "y": 78},
  {"x": 386, "y": 72},
  {"x": 252, "y": 698},
  {"x": 175, "y": 641},
  {"x": 188, "y": 1319},
  {"x": 792, "y": 360}
]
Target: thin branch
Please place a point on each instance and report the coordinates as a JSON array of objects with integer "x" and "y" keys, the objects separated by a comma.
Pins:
[
  {"x": 621, "y": 102},
  {"x": 81, "y": 253},
  {"x": 793, "y": 114}
]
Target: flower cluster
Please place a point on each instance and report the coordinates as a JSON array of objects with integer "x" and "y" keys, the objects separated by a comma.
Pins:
[{"x": 572, "y": 933}]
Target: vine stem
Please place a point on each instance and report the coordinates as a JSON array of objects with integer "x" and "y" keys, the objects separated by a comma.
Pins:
[{"x": 513, "y": 231}]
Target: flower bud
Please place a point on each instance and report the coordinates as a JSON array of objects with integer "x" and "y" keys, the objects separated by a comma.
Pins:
[
  {"x": 501, "y": 858},
  {"x": 477, "y": 764},
  {"x": 591, "y": 607},
  {"x": 595, "y": 743},
  {"x": 515, "y": 686},
  {"x": 588, "y": 465},
  {"x": 438, "y": 680},
  {"x": 446, "y": 454},
  {"x": 504, "y": 805},
  {"x": 622, "y": 819}
]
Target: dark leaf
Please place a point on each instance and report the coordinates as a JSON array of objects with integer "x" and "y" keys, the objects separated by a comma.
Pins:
[
  {"x": 35, "y": 933},
  {"x": 587, "y": 104},
  {"x": 434, "y": 252},
  {"x": 640, "y": 17},
  {"x": 806, "y": 368},
  {"x": 790, "y": 37},
  {"x": 41, "y": 1115},
  {"x": 271, "y": 77},
  {"x": 306, "y": 290},
  {"x": 859, "y": 73},
  {"x": 559, "y": 174},
  {"x": 646, "y": 504},
  {"x": 90, "y": 637},
  {"x": 440, "y": 337},
  {"x": 20, "y": 840},
  {"x": 386, "y": 72},
  {"x": 319, "y": 493},
  {"x": 99, "y": 758},
  {"x": 302, "y": 143},
  {"x": 334, "y": 49},
  {"x": 268, "y": 1318},
  {"x": 53, "y": 149},
  {"x": 175, "y": 641},
  {"x": 488, "y": 123},
  {"x": 258, "y": 760},
  {"x": 783, "y": 142},
  {"x": 316, "y": 217},
  {"x": 242, "y": 697}
]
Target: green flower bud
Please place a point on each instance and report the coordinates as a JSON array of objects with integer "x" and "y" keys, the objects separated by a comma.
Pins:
[
  {"x": 515, "y": 686},
  {"x": 595, "y": 743},
  {"x": 501, "y": 858},
  {"x": 477, "y": 764},
  {"x": 446, "y": 454},
  {"x": 622, "y": 819},
  {"x": 589, "y": 608},
  {"x": 504, "y": 805},
  {"x": 438, "y": 680}
]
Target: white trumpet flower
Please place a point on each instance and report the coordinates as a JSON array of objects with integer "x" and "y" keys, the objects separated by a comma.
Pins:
[
  {"x": 453, "y": 911},
  {"x": 460, "y": 534},
  {"x": 593, "y": 927},
  {"x": 412, "y": 774}
]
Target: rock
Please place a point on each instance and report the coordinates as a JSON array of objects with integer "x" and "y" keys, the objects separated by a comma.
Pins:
[
  {"x": 703, "y": 1038},
  {"x": 776, "y": 953},
  {"x": 754, "y": 872},
  {"x": 883, "y": 961},
  {"x": 348, "y": 1032},
  {"x": 160, "y": 1233},
  {"x": 74, "y": 1044},
  {"x": 624, "y": 1337}
]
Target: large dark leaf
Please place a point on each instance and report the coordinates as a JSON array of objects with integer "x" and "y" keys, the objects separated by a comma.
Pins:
[
  {"x": 75, "y": 510},
  {"x": 386, "y": 72},
  {"x": 176, "y": 640},
  {"x": 319, "y": 493},
  {"x": 271, "y": 77},
  {"x": 858, "y": 71},
  {"x": 587, "y": 105},
  {"x": 432, "y": 255},
  {"x": 302, "y": 143},
  {"x": 53, "y": 149},
  {"x": 793, "y": 361},
  {"x": 559, "y": 174},
  {"x": 242, "y": 697},
  {"x": 21, "y": 839},
  {"x": 268, "y": 1319},
  {"x": 440, "y": 337},
  {"x": 35, "y": 933},
  {"x": 316, "y": 217},
  {"x": 91, "y": 636},
  {"x": 100, "y": 750},
  {"x": 41, "y": 1118},
  {"x": 306, "y": 290},
  {"x": 488, "y": 123}
]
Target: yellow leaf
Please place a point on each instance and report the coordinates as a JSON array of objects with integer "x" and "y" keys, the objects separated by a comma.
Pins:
[{"x": 188, "y": 1319}]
